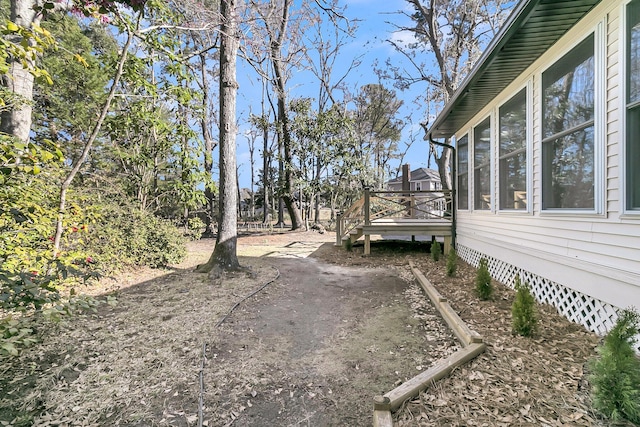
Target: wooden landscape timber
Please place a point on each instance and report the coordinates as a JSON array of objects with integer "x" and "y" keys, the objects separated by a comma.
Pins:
[
  {"x": 472, "y": 346},
  {"x": 465, "y": 335}
]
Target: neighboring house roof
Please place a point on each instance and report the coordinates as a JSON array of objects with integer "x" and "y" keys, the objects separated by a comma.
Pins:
[
  {"x": 420, "y": 174},
  {"x": 531, "y": 29},
  {"x": 245, "y": 194}
]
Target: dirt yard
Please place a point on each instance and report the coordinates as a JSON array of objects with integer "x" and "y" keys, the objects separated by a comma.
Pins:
[{"x": 330, "y": 330}]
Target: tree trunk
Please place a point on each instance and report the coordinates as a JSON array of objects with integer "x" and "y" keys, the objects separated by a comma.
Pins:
[
  {"x": 280, "y": 222},
  {"x": 316, "y": 215},
  {"x": 444, "y": 162},
  {"x": 209, "y": 145},
  {"x": 266, "y": 174},
  {"x": 288, "y": 185},
  {"x": 17, "y": 120},
  {"x": 224, "y": 256}
]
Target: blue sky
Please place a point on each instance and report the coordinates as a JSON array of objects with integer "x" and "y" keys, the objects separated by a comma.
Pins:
[{"x": 371, "y": 41}]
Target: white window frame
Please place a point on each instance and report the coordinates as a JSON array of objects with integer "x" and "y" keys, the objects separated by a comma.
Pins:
[
  {"x": 627, "y": 211},
  {"x": 528, "y": 89},
  {"x": 472, "y": 162},
  {"x": 599, "y": 130},
  {"x": 468, "y": 144}
]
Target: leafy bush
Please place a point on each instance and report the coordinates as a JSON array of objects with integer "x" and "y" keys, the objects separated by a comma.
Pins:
[
  {"x": 195, "y": 228},
  {"x": 436, "y": 251},
  {"x": 14, "y": 335},
  {"x": 29, "y": 274},
  {"x": 616, "y": 371},
  {"x": 484, "y": 287},
  {"x": 452, "y": 262},
  {"x": 523, "y": 310},
  {"x": 122, "y": 236}
]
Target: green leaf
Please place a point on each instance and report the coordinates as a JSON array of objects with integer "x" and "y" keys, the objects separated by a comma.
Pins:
[{"x": 10, "y": 348}]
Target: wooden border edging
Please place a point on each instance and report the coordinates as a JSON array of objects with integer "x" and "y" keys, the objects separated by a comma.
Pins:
[
  {"x": 439, "y": 370},
  {"x": 472, "y": 346},
  {"x": 382, "y": 418},
  {"x": 465, "y": 335}
]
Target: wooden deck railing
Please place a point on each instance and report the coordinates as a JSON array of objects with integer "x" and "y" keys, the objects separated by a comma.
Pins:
[{"x": 377, "y": 205}]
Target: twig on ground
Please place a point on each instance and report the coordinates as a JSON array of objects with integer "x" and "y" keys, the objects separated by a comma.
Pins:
[{"x": 249, "y": 296}]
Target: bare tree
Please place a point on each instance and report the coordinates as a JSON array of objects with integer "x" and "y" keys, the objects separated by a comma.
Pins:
[
  {"x": 452, "y": 33},
  {"x": 284, "y": 51},
  {"x": 322, "y": 53},
  {"x": 252, "y": 136}
]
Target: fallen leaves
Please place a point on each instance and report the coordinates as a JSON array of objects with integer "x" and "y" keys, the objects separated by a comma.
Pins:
[{"x": 518, "y": 381}]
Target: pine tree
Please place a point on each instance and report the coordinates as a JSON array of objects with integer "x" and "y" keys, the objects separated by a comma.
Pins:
[
  {"x": 616, "y": 371},
  {"x": 523, "y": 310},
  {"x": 484, "y": 288},
  {"x": 452, "y": 262},
  {"x": 436, "y": 251}
]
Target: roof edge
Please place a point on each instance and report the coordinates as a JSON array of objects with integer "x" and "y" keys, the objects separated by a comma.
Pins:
[{"x": 517, "y": 17}]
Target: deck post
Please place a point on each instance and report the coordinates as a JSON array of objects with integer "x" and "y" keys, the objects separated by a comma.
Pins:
[
  {"x": 367, "y": 198},
  {"x": 412, "y": 206},
  {"x": 447, "y": 244},
  {"x": 367, "y": 221}
]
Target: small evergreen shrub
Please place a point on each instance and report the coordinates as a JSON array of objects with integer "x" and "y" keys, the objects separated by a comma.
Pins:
[
  {"x": 436, "y": 251},
  {"x": 452, "y": 262},
  {"x": 484, "y": 288},
  {"x": 523, "y": 311},
  {"x": 615, "y": 373},
  {"x": 348, "y": 245}
]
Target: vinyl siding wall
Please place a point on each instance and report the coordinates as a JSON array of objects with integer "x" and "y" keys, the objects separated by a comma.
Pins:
[{"x": 596, "y": 253}]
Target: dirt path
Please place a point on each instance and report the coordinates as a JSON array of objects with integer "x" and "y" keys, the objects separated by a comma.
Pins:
[
  {"x": 319, "y": 344},
  {"x": 312, "y": 348}
]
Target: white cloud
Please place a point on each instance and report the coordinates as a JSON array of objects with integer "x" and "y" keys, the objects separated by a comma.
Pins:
[{"x": 403, "y": 38}]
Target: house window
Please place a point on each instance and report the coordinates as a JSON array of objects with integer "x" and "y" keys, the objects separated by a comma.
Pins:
[
  {"x": 482, "y": 165},
  {"x": 513, "y": 153},
  {"x": 463, "y": 173},
  {"x": 633, "y": 105},
  {"x": 568, "y": 158}
]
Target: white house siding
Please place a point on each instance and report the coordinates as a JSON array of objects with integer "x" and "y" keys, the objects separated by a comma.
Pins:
[
  {"x": 614, "y": 89},
  {"x": 585, "y": 264}
]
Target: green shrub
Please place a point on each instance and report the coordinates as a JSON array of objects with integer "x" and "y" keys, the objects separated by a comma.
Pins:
[
  {"x": 615, "y": 373},
  {"x": 452, "y": 262},
  {"x": 348, "y": 245},
  {"x": 15, "y": 334},
  {"x": 523, "y": 311},
  {"x": 436, "y": 251},
  {"x": 124, "y": 237},
  {"x": 195, "y": 228},
  {"x": 484, "y": 287}
]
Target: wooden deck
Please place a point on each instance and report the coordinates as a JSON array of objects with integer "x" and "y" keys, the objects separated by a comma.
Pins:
[{"x": 417, "y": 214}]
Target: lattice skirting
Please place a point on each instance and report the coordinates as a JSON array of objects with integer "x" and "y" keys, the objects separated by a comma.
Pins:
[{"x": 593, "y": 314}]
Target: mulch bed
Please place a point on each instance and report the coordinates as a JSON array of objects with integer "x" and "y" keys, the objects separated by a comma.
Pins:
[{"x": 538, "y": 381}]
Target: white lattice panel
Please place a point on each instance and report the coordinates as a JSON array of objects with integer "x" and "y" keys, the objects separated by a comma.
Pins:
[{"x": 593, "y": 314}]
